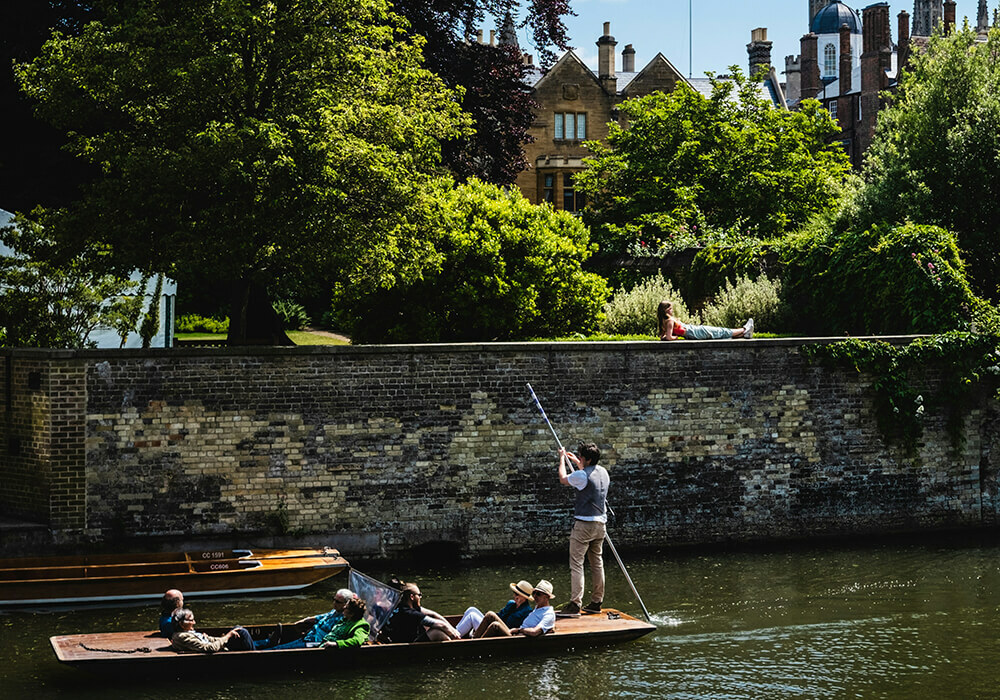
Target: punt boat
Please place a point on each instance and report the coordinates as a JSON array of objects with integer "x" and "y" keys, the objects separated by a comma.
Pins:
[
  {"x": 137, "y": 577},
  {"x": 147, "y": 655}
]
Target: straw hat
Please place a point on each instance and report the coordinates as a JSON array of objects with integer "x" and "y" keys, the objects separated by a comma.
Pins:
[
  {"x": 545, "y": 587},
  {"x": 523, "y": 588}
]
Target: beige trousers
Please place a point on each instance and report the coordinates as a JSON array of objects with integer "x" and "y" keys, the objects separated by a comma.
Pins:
[{"x": 586, "y": 540}]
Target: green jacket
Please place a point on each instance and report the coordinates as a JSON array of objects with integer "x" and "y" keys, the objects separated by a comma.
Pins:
[{"x": 349, "y": 634}]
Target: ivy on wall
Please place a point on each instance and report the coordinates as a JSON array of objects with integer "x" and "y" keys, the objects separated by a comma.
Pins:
[{"x": 965, "y": 366}]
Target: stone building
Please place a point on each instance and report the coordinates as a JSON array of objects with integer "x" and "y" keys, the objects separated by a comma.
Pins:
[{"x": 576, "y": 104}]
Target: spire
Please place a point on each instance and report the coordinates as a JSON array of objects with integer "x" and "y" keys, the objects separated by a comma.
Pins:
[
  {"x": 508, "y": 33},
  {"x": 983, "y": 19}
]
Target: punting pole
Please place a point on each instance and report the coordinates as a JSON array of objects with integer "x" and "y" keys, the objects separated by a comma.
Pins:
[{"x": 607, "y": 537}]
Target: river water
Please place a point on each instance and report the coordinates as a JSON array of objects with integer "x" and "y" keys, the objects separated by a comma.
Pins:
[{"x": 879, "y": 620}]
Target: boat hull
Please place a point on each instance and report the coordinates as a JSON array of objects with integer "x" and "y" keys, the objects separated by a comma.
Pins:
[
  {"x": 107, "y": 578},
  {"x": 125, "y": 653}
]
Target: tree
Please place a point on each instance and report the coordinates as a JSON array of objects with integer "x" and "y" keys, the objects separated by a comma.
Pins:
[
  {"x": 935, "y": 158},
  {"x": 50, "y": 301},
  {"x": 729, "y": 162},
  {"x": 252, "y": 140},
  {"x": 502, "y": 269},
  {"x": 492, "y": 77}
]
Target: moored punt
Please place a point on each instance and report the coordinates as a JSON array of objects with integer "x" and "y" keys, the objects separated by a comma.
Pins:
[
  {"x": 122, "y": 577},
  {"x": 146, "y": 654}
]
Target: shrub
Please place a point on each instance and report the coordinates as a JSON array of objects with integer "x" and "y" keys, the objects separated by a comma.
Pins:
[
  {"x": 193, "y": 323},
  {"x": 734, "y": 303},
  {"x": 883, "y": 280},
  {"x": 293, "y": 316},
  {"x": 501, "y": 269},
  {"x": 633, "y": 311}
]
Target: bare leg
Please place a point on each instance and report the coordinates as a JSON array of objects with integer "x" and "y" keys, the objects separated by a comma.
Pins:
[
  {"x": 488, "y": 619},
  {"x": 497, "y": 629}
]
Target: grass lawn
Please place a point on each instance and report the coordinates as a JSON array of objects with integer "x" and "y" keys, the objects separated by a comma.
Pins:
[{"x": 298, "y": 337}]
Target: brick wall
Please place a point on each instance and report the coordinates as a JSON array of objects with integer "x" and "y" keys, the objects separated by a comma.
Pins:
[{"x": 705, "y": 441}]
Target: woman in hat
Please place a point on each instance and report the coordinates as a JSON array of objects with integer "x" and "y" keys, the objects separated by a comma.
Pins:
[
  {"x": 541, "y": 620},
  {"x": 513, "y": 613}
]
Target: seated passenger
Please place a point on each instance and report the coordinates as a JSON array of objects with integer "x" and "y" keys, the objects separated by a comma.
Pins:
[
  {"x": 171, "y": 601},
  {"x": 188, "y": 639},
  {"x": 412, "y": 623},
  {"x": 353, "y": 631},
  {"x": 541, "y": 620},
  {"x": 512, "y": 614},
  {"x": 321, "y": 624}
]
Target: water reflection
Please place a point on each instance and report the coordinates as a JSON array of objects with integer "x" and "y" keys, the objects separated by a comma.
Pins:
[{"x": 892, "y": 621}]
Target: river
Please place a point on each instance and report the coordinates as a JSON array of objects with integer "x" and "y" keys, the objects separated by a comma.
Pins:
[{"x": 878, "y": 620}]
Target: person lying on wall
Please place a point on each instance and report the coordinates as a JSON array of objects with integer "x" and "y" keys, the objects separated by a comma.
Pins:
[{"x": 411, "y": 622}]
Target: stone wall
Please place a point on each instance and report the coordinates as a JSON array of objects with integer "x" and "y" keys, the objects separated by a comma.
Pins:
[{"x": 406, "y": 445}]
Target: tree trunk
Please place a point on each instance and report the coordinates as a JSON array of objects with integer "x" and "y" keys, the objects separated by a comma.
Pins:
[{"x": 252, "y": 319}]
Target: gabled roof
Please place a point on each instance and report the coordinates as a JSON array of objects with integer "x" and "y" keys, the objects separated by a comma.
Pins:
[
  {"x": 658, "y": 58},
  {"x": 565, "y": 61}
]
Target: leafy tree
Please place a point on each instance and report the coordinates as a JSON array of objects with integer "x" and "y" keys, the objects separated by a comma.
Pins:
[
  {"x": 502, "y": 269},
  {"x": 49, "y": 301},
  {"x": 258, "y": 140},
  {"x": 726, "y": 163},
  {"x": 935, "y": 158},
  {"x": 492, "y": 77}
]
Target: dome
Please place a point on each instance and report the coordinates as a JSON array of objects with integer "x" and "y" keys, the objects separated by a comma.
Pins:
[{"x": 829, "y": 19}]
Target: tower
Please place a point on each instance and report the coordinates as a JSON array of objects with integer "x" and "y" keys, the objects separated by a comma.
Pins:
[
  {"x": 926, "y": 15},
  {"x": 814, "y": 7}
]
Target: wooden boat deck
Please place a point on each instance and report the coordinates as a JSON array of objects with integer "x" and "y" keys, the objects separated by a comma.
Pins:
[
  {"x": 111, "y": 577},
  {"x": 147, "y": 653}
]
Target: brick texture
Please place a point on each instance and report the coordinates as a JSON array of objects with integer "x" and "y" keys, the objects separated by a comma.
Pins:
[{"x": 705, "y": 441}]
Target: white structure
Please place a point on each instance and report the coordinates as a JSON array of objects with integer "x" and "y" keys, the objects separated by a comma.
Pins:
[{"x": 108, "y": 337}]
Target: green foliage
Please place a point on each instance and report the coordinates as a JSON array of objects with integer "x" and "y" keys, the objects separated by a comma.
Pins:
[
  {"x": 193, "y": 323},
  {"x": 714, "y": 265},
  {"x": 759, "y": 299},
  {"x": 633, "y": 311},
  {"x": 709, "y": 170},
  {"x": 501, "y": 269},
  {"x": 935, "y": 158},
  {"x": 293, "y": 316},
  {"x": 259, "y": 141},
  {"x": 968, "y": 365},
  {"x": 883, "y": 280},
  {"x": 51, "y": 301}
]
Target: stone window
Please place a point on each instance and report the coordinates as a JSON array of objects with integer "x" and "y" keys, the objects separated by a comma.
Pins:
[
  {"x": 549, "y": 188},
  {"x": 829, "y": 60},
  {"x": 572, "y": 200},
  {"x": 570, "y": 126}
]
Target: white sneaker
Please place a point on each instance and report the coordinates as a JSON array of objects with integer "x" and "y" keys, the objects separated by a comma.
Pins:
[{"x": 748, "y": 329}]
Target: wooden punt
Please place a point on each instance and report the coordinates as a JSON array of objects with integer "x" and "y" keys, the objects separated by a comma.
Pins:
[
  {"x": 122, "y": 577},
  {"x": 148, "y": 655}
]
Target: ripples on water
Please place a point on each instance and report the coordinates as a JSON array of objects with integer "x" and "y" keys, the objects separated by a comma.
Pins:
[{"x": 894, "y": 621}]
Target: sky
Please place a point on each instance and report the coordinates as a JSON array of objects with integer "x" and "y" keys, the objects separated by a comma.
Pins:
[{"x": 721, "y": 29}]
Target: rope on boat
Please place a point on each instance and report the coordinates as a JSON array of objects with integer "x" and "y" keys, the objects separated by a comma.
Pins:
[{"x": 144, "y": 650}]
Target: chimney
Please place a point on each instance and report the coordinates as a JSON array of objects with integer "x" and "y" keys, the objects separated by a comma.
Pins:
[
  {"x": 606, "y": 61},
  {"x": 479, "y": 36},
  {"x": 628, "y": 59},
  {"x": 846, "y": 60},
  {"x": 759, "y": 50},
  {"x": 493, "y": 37},
  {"x": 949, "y": 16},
  {"x": 903, "y": 35},
  {"x": 809, "y": 66},
  {"x": 876, "y": 59}
]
